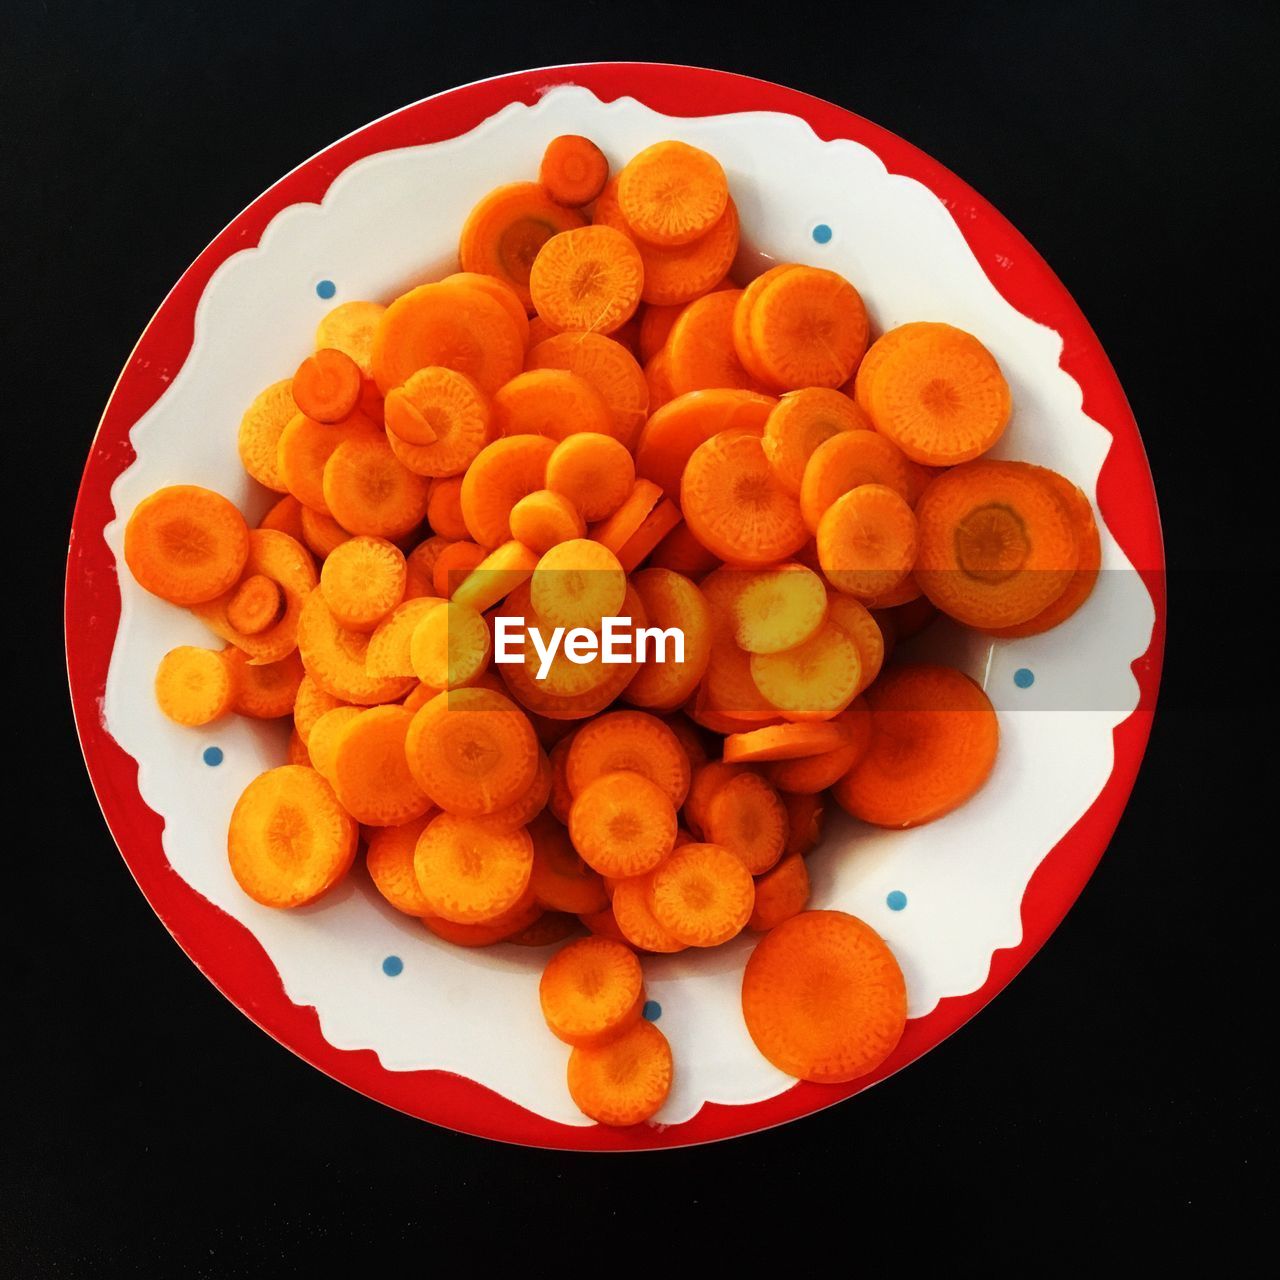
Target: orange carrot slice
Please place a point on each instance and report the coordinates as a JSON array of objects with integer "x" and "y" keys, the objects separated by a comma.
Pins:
[
  {"x": 672, "y": 193},
  {"x": 573, "y": 170},
  {"x": 781, "y": 893},
  {"x": 609, "y": 367},
  {"x": 702, "y": 895},
  {"x": 588, "y": 280},
  {"x": 471, "y": 871},
  {"x": 867, "y": 541},
  {"x": 591, "y": 991},
  {"x": 624, "y": 1081},
  {"x": 632, "y": 741},
  {"x": 326, "y": 386},
  {"x": 623, "y": 824}
]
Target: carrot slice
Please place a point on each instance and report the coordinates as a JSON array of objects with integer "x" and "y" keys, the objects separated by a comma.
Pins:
[
  {"x": 454, "y": 325},
  {"x": 784, "y": 742},
  {"x": 450, "y": 646},
  {"x": 390, "y": 646},
  {"x": 997, "y": 544},
  {"x": 573, "y": 170},
  {"x": 591, "y": 991},
  {"x": 266, "y": 691},
  {"x": 808, "y": 328},
  {"x": 594, "y": 471},
  {"x": 671, "y": 601},
  {"x": 632, "y": 741},
  {"x": 369, "y": 491},
  {"x": 802, "y": 421},
  {"x": 632, "y": 913},
  {"x": 444, "y": 508},
  {"x": 258, "y": 441},
  {"x": 543, "y": 519},
  {"x": 523, "y": 810},
  {"x": 734, "y": 505},
  {"x": 334, "y": 657},
  {"x": 322, "y": 533},
  {"x": 814, "y": 681},
  {"x": 194, "y": 686},
  {"x": 577, "y": 584},
  {"x": 742, "y": 318},
  {"x": 255, "y": 603},
  {"x": 867, "y": 541},
  {"x": 824, "y": 998},
  {"x": 285, "y": 517},
  {"x": 588, "y": 280},
  {"x": 454, "y": 565},
  {"x": 609, "y": 367},
  {"x": 496, "y": 576},
  {"x": 624, "y": 1081},
  {"x": 420, "y": 566},
  {"x": 779, "y": 608},
  {"x": 702, "y": 894},
  {"x": 504, "y": 232},
  {"x": 561, "y": 880},
  {"x": 390, "y": 864},
  {"x": 289, "y": 839},
  {"x": 811, "y": 773},
  {"x": 653, "y": 528},
  {"x": 322, "y": 744},
  {"x": 473, "y": 751},
  {"x": 349, "y": 328},
  {"x": 471, "y": 871},
  {"x": 503, "y": 473},
  {"x": 936, "y": 392},
  {"x": 681, "y": 552},
  {"x": 501, "y": 292},
  {"x": 362, "y": 581},
  {"x": 615, "y": 532},
  {"x": 781, "y": 893},
  {"x": 700, "y": 350},
  {"x": 860, "y": 625},
  {"x": 623, "y": 824},
  {"x": 501, "y": 928},
  {"x": 675, "y": 430},
  {"x": 309, "y": 704},
  {"x": 549, "y": 402},
  {"x": 672, "y": 193},
  {"x": 305, "y": 448},
  {"x": 326, "y": 386},
  {"x": 846, "y": 461},
  {"x": 933, "y": 744},
  {"x": 370, "y": 773},
  {"x": 657, "y": 378},
  {"x": 186, "y": 544},
  {"x": 444, "y": 415},
  {"x": 655, "y": 329},
  {"x": 561, "y": 798},
  {"x": 746, "y": 817},
  {"x": 548, "y": 929}
]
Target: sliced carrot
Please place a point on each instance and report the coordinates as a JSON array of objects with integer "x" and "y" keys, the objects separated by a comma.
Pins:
[
  {"x": 444, "y": 508},
  {"x": 289, "y": 839},
  {"x": 502, "y": 473},
  {"x": 588, "y": 280},
  {"x": 389, "y": 860},
  {"x": 591, "y": 991},
  {"x": 549, "y": 402},
  {"x": 349, "y": 328},
  {"x": 677, "y": 274},
  {"x": 706, "y": 781},
  {"x": 501, "y": 292},
  {"x": 655, "y": 329},
  {"x": 473, "y": 751},
  {"x": 629, "y": 741},
  {"x": 624, "y": 1081},
  {"x": 363, "y": 580},
  {"x": 454, "y": 565},
  {"x": 561, "y": 880},
  {"x": 306, "y": 446},
  {"x": 419, "y": 696},
  {"x": 450, "y": 646},
  {"x": 594, "y": 471},
  {"x": 681, "y": 552},
  {"x": 675, "y": 430},
  {"x": 657, "y": 380},
  {"x": 504, "y": 232},
  {"x": 501, "y": 928},
  {"x": 194, "y": 686},
  {"x": 370, "y": 773},
  {"x": 573, "y": 170},
  {"x": 285, "y": 517},
  {"x": 334, "y": 657},
  {"x": 618, "y": 529},
  {"x": 539, "y": 331},
  {"x": 632, "y": 912},
  {"x": 609, "y": 367},
  {"x": 256, "y": 603},
  {"x": 438, "y": 421},
  {"x": 322, "y": 533},
  {"x": 700, "y": 351},
  {"x": 811, "y": 773},
  {"x": 808, "y": 328},
  {"x": 858, "y": 623},
  {"x": 702, "y": 894},
  {"x": 846, "y": 461},
  {"x": 653, "y": 528},
  {"x": 543, "y": 519},
  {"x": 548, "y": 929},
  {"x": 186, "y": 544},
  {"x": 454, "y": 325},
  {"x": 369, "y": 491},
  {"x": 781, "y": 893},
  {"x": 734, "y": 505},
  {"x": 672, "y": 193},
  {"x": 814, "y": 681},
  {"x": 561, "y": 797},
  {"x": 867, "y": 541},
  {"x": 805, "y": 815},
  {"x": 322, "y": 744},
  {"x": 933, "y": 744},
  {"x": 496, "y": 576},
  {"x": 671, "y": 601},
  {"x": 998, "y": 544},
  {"x": 326, "y": 386},
  {"x": 471, "y": 871},
  {"x": 747, "y": 817},
  {"x": 390, "y": 646},
  {"x": 266, "y": 691},
  {"x": 258, "y": 441},
  {"x": 690, "y": 739},
  {"x": 623, "y": 824},
  {"x": 742, "y": 318},
  {"x": 779, "y": 608},
  {"x": 802, "y": 421},
  {"x": 784, "y": 742},
  {"x": 824, "y": 998},
  {"x": 309, "y": 704},
  {"x": 905, "y": 592},
  {"x": 936, "y": 392},
  {"x": 296, "y": 752},
  {"x": 577, "y": 584}
]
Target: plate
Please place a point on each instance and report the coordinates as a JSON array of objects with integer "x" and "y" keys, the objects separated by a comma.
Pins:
[{"x": 455, "y": 1036}]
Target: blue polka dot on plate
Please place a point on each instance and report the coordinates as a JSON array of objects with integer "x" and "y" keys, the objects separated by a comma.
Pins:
[
  {"x": 652, "y": 1011},
  {"x": 326, "y": 289},
  {"x": 896, "y": 900},
  {"x": 822, "y": 233},
  {"x": 393, "y": 966},
  {"x": 212, "y": 756},
  {"x": 1024, "y": 677}
]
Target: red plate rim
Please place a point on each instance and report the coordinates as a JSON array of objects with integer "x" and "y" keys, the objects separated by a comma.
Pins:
[{"x": 228, "y": 954}]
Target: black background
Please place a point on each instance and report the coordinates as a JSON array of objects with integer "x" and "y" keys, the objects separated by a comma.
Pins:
[{"x": 1114, "y": 1088}]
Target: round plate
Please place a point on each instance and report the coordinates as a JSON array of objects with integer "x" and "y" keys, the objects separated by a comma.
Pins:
[{"x": 837, "y": 186}]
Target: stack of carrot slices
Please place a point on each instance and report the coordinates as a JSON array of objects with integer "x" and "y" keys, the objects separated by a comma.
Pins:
[{"x": 591, "y": 419}]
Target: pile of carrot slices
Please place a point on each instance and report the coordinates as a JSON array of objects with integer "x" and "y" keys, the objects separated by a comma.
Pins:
[{"x": 591, "y": 419}]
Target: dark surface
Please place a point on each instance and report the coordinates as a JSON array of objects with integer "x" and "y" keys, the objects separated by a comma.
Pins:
[{"x": 1112, "y": 1087}]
